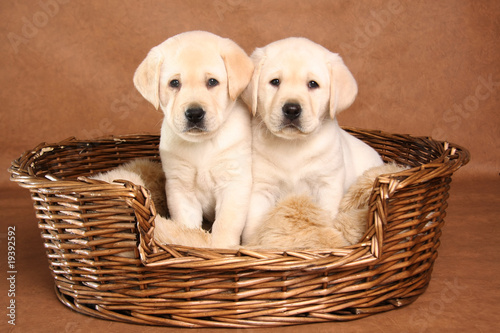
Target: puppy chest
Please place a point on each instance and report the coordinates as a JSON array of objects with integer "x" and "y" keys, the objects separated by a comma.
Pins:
[
  {"x": 204, "y": 183},
  {"x": 296, "y": 175},
  {"x": 310, "y": 184},
  {"x": 207, "y": 182},
  {"x": 216, "y": 177}
]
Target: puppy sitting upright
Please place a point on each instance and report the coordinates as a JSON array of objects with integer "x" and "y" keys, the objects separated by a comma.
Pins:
[
  {"x": 298, "y": 147},
  {"x": 205, "y": 146}
]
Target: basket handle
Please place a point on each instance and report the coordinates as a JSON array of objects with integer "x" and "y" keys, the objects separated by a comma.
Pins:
[
  {"x": 452, "y": 158},
  {"x": 145, "y": 212}
]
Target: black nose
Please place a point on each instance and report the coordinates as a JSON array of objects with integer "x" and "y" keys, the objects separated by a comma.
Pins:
[
  {"x": 291, "y": 110},
  {"x": 194, "y": 115}
]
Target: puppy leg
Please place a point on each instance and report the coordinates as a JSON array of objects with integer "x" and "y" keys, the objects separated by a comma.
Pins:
[
  {"x": 261, "y": 203},
  {"x": 183, "y": 206},
  {"x": 170, "y": 232},
  {"x": 230, "y": 216},
  {"x": 329, "y": 197}
]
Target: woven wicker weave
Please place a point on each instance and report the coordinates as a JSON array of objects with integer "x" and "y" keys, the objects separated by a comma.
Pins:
[{"x": 89, "y": 229}]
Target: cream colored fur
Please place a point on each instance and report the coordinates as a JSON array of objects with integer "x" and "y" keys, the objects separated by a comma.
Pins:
[
  {"x": 353, "y": 210},
  {"x": 309, "y": 155},
  {"x": 207, "y": 163},
  {"x": 298, "y": 223},
  {"x": 144, "y": 172},
  {"x": 168, "y": 231}
]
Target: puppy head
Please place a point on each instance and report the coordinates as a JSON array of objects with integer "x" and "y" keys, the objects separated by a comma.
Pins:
[
  {"x": 194, "y": 77},
  {"x": 296, "y": 83}
]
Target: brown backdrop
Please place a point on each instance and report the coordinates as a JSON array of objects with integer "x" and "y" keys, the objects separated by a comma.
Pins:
[
  {"x": 423, "y": 67},
  {"x": 428, "y": 68}
]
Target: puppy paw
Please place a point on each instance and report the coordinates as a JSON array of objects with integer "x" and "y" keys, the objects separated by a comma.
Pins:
[{"x": 168, "y": 231}]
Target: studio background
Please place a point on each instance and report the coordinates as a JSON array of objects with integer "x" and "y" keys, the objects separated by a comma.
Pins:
[
  {"x": 428, "y": 68},
  {"x": 425, "y": 68}
]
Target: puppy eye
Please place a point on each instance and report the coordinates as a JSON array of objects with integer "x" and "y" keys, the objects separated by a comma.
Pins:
[
  {"x": 275, "y": 82},
  {"x": 313, "y": 85},
  {"x": 174, "y": 84},
  {"x": 212, "y": 82}
]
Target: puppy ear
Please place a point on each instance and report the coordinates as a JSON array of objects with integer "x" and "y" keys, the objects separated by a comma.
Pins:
[
  {"x": 239, "y": 67},
  {"x": 343, "y": 86},
  {"x": 147, "y": 77},
  {"x": 250, "y": 94}
]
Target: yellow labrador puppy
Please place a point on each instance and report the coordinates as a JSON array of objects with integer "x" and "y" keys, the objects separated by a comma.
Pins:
[
  {"x": 205, "y": 147},
  {"x": 296, "y": 91}
]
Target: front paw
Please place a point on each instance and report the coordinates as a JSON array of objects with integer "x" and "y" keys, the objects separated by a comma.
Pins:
[
  {"x": 168, "y": 231},
  {"x": 225, "y": 240}
]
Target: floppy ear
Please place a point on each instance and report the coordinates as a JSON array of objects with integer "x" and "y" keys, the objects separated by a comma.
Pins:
[
  {"x": 239, "y": 67},
  {"x": 343, "y": 87},
  {"x": 250, "y": 94},
  {"x": 147, "y": 77}
]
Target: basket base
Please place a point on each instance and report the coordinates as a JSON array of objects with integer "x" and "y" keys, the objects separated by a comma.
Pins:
[{"x": 177, "y": 321}]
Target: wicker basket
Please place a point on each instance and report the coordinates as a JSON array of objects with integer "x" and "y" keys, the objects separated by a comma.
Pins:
[{"x": 88, "y": 226}]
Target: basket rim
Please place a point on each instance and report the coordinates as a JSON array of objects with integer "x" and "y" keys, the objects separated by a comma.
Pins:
[{"x": 20, "y": 168}]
